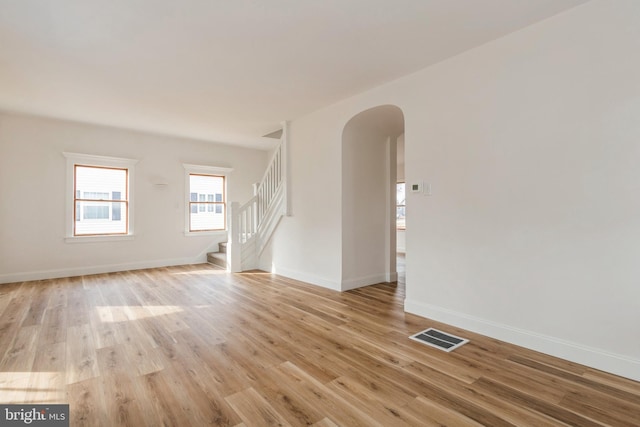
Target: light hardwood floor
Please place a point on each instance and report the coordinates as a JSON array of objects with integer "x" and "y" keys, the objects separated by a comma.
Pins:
[{"x": 195, "y": 346}]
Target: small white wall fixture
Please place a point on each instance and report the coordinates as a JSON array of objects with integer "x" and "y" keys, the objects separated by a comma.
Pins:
[{"x": 368, "y": 196}]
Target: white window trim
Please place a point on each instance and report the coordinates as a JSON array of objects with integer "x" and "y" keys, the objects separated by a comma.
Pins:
[
  {"x": 205, "y": 170},
  {"x": 93, "y": 160}
]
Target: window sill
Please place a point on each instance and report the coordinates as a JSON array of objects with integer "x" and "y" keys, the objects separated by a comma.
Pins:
[
  {"x": 206, "y": 233},
  {"x": 94, "y": 239}
]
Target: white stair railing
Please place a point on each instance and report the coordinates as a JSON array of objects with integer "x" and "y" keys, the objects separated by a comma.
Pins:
[
  {"x": 243, "y": 228},
  {"x": 252, "y": 224},
  {"x": 270, "y": 183}
]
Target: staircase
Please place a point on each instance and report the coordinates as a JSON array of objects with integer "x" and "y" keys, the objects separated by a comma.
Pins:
[
  {"x": 219, "y": 258},
  {"x": 252, "y": 224}
]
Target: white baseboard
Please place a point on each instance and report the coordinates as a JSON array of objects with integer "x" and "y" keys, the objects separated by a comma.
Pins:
[
  {"x": 359, "y": 282},
  {"x": 308, "y": 278},
  {"x": 346, "y": 285},
  {"x": 96, "y": 269},
  {"x": 593, "y": 357}
]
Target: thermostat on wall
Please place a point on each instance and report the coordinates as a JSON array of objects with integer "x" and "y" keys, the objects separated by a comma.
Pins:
[{"x": 421, "y": 187}]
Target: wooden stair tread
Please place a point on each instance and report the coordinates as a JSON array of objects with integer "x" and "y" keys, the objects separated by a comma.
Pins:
[{"x": 217, "y": 258}]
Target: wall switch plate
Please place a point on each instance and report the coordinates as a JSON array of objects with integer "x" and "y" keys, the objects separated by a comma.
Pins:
[{"x": 416, "y": 187}]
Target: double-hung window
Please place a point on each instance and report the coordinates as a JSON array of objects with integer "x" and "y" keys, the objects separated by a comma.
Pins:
[
  {"x": 206, "y": 198},
  {"x": 99, "y": 201},
  {"x": 208, "y": 213}
]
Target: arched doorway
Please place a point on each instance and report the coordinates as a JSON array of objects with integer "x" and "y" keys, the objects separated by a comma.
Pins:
[{"x": 369, "y": 196}]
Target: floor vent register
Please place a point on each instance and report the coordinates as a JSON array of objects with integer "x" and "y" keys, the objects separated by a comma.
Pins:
[{"x": 438, "y": 339}]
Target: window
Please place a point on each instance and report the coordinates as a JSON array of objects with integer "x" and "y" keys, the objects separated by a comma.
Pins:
[
  {"x": 99, "y": 199},
  {"x": 400, "y": 205},
  {"x": 205, "y": 213},
  {"x": 206, "y": 203}
]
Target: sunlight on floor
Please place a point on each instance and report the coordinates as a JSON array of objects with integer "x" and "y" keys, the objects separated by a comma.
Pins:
[
  {"x": 31, "y": 387},
  {"x": 256, "y": 272},
  {"x": 205, "y": 272},
  {"x": 123, "y": 313}
]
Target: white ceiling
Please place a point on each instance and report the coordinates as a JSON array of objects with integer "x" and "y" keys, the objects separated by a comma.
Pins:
[{"x": 229, "y": 70}]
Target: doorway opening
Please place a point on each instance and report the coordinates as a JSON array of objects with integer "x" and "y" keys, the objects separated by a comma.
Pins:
[{"x": 369, "y": 187}]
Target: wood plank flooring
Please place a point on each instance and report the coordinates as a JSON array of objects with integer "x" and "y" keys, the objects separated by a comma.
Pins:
[{"x": 195, "y": 346}]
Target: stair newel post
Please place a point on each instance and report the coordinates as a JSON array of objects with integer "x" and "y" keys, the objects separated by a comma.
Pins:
[{"x": 234, "y": 249}]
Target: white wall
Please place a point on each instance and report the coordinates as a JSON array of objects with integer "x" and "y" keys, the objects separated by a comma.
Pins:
[
  {"x": 400, "y": 158},
  {"x": 32, "y": 185},
  {"x": 531, "y": 146},
  {"x": 308, "y": 244}
]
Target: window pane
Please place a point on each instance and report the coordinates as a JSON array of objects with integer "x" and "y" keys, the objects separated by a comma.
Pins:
[
  {"x": 98, "y": 183},
  {"x": 96, "y": 218},
  {"x": 96, "y": 214},
  {"x": 208, "y": 215},
  {"x": 116, "y": 208}
]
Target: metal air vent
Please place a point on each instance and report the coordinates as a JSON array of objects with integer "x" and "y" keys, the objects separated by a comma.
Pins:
[{"x": 438, "y": 339}]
